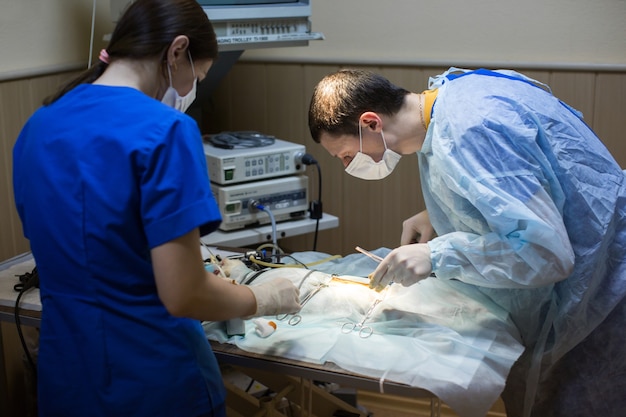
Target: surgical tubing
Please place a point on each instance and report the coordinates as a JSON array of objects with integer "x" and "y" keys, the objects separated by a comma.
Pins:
[
  {"x": 270, "y": 245},
  {"x": 258, "y": 205},
  {"x": 272, "y": 265}
]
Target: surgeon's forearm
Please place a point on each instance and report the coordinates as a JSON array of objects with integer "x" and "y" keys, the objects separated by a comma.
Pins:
[
  {"x": 493, "y": 262},
  {"x": 208, "y": 297},
  {"x": 188, "y": 290},
  {"x": 215, "y": 299}
]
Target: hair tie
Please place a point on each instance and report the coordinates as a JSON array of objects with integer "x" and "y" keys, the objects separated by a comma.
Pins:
[{"x": 104, "y": 56}]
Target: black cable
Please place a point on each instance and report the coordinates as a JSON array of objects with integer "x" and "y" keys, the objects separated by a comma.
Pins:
[
  {"x": 315, "y": 208},
  {"x": 248, "y": 281},
  {"x": 27, "y": 281},
  {"x": 249, "y": 387},
  {"x": 297, "y": 261}
]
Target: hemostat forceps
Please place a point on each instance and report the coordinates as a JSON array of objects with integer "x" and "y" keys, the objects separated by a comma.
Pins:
[
  {"x": 364, "y": 331},
  {"x": 297, "y": 318}
]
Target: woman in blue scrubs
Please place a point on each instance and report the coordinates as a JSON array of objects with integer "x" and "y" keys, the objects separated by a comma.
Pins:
[
  {"x": 112, "y": 188},
  {"x": 523, "y": 202}
]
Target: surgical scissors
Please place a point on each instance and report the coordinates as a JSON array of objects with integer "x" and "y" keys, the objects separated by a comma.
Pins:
[{"x": 295, "y": 317}]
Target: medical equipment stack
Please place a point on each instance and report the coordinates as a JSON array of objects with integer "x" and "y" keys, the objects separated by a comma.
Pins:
[{"x": 256, "y": 179}]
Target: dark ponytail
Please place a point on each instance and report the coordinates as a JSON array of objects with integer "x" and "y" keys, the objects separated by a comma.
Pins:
[{"x": 146, "y": 30}]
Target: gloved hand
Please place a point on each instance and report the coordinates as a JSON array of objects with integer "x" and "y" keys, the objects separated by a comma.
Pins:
[
  {"x": 234, "y": 269},
  {"x": 404, "y": 265},
  {"x": 417, "y": 229},
  {"x": 278, "y": 296}
]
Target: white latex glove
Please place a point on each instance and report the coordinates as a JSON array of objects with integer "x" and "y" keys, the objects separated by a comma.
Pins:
[
  {"x": 404, "y": 265},
  {"x": 278, "y": 296},
  {"x": 234, "y": 269},
  {"x": 417, "y": 229}
]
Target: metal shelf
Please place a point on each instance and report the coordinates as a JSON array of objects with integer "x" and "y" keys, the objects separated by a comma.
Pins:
[{"x": 261, "y": 234}]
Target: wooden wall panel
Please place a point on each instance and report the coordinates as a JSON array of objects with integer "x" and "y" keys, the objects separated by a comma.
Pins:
[
  {"x": 19, "y": 105},
  {"x": 283, "y": 108},
  {"x": 576, "y": 89},
  {"x": 249, "y": 97},
  {"x": 609, "y": 119},
  {"x": 273, "y": 98},
  {"x": 7, "y": 217},
  {"x": 286, "y": 102},
  {"x": 330, "y": 241}
]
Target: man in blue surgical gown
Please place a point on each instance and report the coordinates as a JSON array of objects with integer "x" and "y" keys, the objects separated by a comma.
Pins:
[{"x": 523, "y": 201}]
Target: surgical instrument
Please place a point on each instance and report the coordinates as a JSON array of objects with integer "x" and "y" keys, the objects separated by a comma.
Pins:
[
  {"x": 369, "y": 254},
  {"x": 374, "y": 257},
  {"x": 364, "y": 331},
  {"x": 295, "y": 317}
]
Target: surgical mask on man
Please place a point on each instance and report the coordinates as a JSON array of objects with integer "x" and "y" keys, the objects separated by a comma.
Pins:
[
  {"x": 364, "y": 167},
  {"x": 171, "y": 96}
]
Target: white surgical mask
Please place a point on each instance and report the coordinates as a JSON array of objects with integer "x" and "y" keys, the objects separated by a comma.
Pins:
[
  {"x": 364, "y": 167},
  {"x": 171, "y": 96}
]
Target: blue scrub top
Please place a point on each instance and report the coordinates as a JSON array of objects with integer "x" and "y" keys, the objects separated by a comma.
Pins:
[{"x": 101, "y": 176}]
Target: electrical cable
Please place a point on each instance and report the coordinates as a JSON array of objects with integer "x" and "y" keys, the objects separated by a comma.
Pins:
[
  {"x": 270, "y": 245},
  {"x": 259, "y": 206},
  {"x": 250, "y": 385},
  {"x": 27, "y": 281},
  {"x": 300, "y": 265},
  {"x": 248, "y": 281},
  {"x": 93, "y": 25},
  {"x": 321, "y": 261},
  {"x": 297, "y": 261},
  {"x": 315, "y": 208},
  {"x": 256, "y": 261}
]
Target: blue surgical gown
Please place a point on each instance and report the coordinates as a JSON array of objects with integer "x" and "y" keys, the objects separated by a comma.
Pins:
[
  {"x": 530, "y": 207},
  {"x": 101, "y": 176}
]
